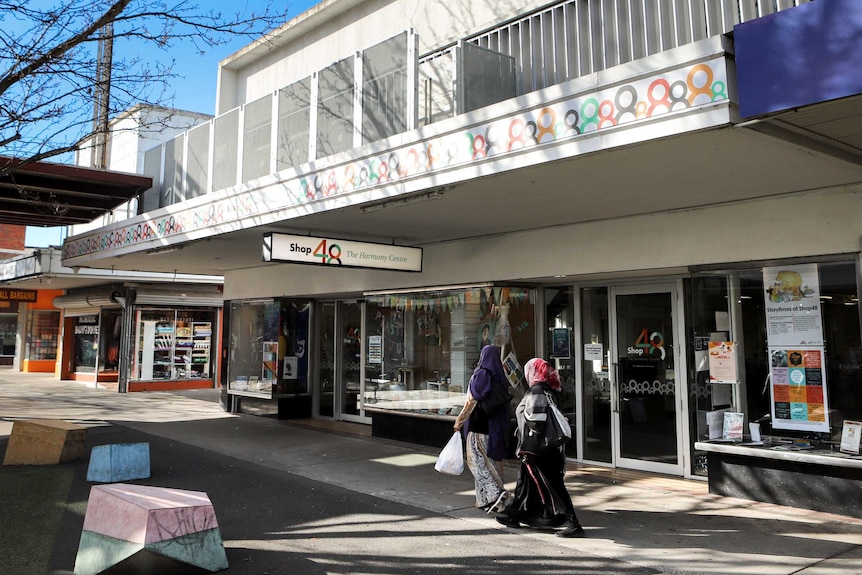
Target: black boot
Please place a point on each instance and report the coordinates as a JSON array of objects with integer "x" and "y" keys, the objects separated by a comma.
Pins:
[{"x": 572, "y": 529}]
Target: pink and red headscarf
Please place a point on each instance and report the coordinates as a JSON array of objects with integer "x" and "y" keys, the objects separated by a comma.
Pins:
[{"x": 537, "y": 370}]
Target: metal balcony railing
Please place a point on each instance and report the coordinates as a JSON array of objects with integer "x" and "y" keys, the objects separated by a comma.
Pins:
[{"x": 386, "y": 89}]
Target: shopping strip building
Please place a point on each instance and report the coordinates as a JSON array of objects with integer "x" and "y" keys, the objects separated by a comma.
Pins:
[{"x": 620, "y": 187}]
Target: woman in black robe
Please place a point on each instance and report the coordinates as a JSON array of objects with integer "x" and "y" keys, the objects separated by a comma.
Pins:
[{"x": 541, "y": 499}]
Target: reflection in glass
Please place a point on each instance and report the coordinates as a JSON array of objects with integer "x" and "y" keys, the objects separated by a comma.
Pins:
[
  {"x": 596, "y": 375},
  {"x": 422, "y": 347},
  {"x": 326, "y": 365},
  {"x": 646, "y": 378},
  {"x": 560, "y": 320}
]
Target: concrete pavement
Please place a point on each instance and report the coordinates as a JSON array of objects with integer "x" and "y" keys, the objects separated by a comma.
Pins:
[{"x": 295, "y": 500}]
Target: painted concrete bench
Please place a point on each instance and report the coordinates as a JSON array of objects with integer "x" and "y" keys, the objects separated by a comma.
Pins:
[
  {"x": 144, "y": 529},
  {"x": 118, "y": 462},
  {"x": 44, "y": 442}
]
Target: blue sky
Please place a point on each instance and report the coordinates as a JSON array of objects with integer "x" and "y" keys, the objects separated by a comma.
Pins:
[{"x": 194, "y": 90}]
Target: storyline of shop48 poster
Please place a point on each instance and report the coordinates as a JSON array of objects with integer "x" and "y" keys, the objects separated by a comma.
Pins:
[{"x": 794, "y": 326}]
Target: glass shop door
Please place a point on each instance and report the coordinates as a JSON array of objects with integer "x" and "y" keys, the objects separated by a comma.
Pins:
[
  {"x": 340, "y": 364},
  {"x": 645, "y": 389}
]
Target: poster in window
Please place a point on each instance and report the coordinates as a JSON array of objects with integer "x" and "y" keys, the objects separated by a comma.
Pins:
[
  {"x": 792, "y": 298},
  {"x": 512, "y": 369},
  {"x": 851, "y": 432},
  {"x": 722, "y": 362},
  {"x": 798, "y": 389},
  {"x": 290, "y": 367},
  {"x": 485, "y": 335},
  {"x": 594, "y": 352},
  {"x": 375, "y": 349},
  {"x": 794, "y": 331},
  {"x": 562, "y": 343}
]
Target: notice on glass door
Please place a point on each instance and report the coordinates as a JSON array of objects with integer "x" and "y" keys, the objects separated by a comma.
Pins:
[{"x": 722, "y": 362}]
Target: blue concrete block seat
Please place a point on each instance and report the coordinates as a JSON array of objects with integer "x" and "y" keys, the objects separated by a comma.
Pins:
[{"x": 119, "y": 462}]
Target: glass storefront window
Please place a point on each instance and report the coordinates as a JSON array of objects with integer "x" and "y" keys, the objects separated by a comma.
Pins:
[
  {"x": 43, "y": 331},
  {"x": 171, "y": 344},
  {"x": 8, "y": 330},
  {"x": 86, "y": 343},
  {"x": 109, "y": 340},
  {"x": 269, "y": 348},
  {"x": 421, "y": 347},
  {"x": 595, "y": 332},
  {"x": 802, "y": 389},
  {"x": 559, "y": 343}
]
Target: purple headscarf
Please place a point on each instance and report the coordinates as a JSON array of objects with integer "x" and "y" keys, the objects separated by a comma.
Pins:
[
  {"x": 490, "y": 372},
  {"x": 490, "y": 363}
]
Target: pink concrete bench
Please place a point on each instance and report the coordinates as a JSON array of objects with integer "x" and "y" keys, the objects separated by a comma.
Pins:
[{"x": 138, "y": 528}]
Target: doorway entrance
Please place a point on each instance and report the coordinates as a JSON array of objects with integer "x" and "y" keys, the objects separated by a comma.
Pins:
[
  {"x": 340, "y": 365},
  {"x": 644, "y": 390},
  {"x": 630, "y": 383}
]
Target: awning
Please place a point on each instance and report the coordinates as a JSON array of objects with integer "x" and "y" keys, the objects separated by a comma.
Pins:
[
  {"x": 48, "y": 194},
  {"x": 173, "y": 298},
  {"x": 85, "y": 303}
]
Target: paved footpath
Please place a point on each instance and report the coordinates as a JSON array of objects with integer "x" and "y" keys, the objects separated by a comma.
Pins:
[{"x": 294, "y": 500}]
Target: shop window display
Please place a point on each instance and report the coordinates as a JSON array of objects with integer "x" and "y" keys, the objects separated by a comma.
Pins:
[
  {"x": 173, "y": 344},
  {"x": 8, "y": 330},
  {"x": 800, "y": 390},
  {"x": 422, "y": 347},
  {"x": 43, "y": 331},
  {"x": 109, "y": 340},
  {"x": 86, "y": 343},
  {"x": 269, "y": 348}
]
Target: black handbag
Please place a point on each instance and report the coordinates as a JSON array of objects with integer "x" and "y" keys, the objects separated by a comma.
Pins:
[{"x": 497, "y": 399}]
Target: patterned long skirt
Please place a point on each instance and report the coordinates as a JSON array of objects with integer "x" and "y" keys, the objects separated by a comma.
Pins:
[{"x": 486, "y": 471}]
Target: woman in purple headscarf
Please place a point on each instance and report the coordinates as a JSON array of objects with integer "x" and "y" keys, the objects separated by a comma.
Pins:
[{"x": 486, "y": 435}]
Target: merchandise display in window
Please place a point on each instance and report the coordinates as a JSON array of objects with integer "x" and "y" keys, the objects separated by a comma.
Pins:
[
  {"x": 173, "y": 344},
  {"x": 421, "y": 347},
  {"x": 43, "y": 335},
  {"x": 201, "y": 338}
]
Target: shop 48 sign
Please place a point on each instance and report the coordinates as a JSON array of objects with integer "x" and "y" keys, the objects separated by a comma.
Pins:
[
  {"x": 648, "y": 344},
  {"x": 340, "y": 253},
  {"x": 328, "y": 253}
]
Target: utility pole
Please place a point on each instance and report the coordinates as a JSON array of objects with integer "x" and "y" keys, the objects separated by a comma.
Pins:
[{"x": 101, "y": 107}]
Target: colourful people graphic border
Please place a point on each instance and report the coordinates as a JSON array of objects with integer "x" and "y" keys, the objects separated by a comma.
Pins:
[{"x": 549, "y": 123}]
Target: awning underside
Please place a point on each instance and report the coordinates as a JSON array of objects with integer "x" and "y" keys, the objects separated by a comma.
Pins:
[{"x": 47, "y": 194}]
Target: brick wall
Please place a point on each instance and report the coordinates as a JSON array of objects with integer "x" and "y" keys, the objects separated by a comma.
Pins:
[{"x": 11, "y": 238}]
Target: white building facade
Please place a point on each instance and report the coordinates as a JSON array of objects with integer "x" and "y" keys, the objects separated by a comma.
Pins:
[{"x": 571, "y": 180}]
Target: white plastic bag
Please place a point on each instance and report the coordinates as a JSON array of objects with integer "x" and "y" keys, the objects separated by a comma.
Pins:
[{"x": 451, "y": 459}]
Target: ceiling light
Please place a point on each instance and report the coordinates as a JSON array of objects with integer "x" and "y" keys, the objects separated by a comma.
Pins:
[
  {"x": 403, "y": 201},
  {"x": 164, "y": 250}
]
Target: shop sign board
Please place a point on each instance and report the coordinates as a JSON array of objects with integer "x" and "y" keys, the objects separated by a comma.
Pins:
[
  {"x": 337, "y": 252},
  {"x": 797, "y": 366},
  {"x": 7, "y": 294}
]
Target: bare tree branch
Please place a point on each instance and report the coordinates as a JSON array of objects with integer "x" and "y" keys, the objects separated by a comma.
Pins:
[{"x": 48, "y": 62}]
